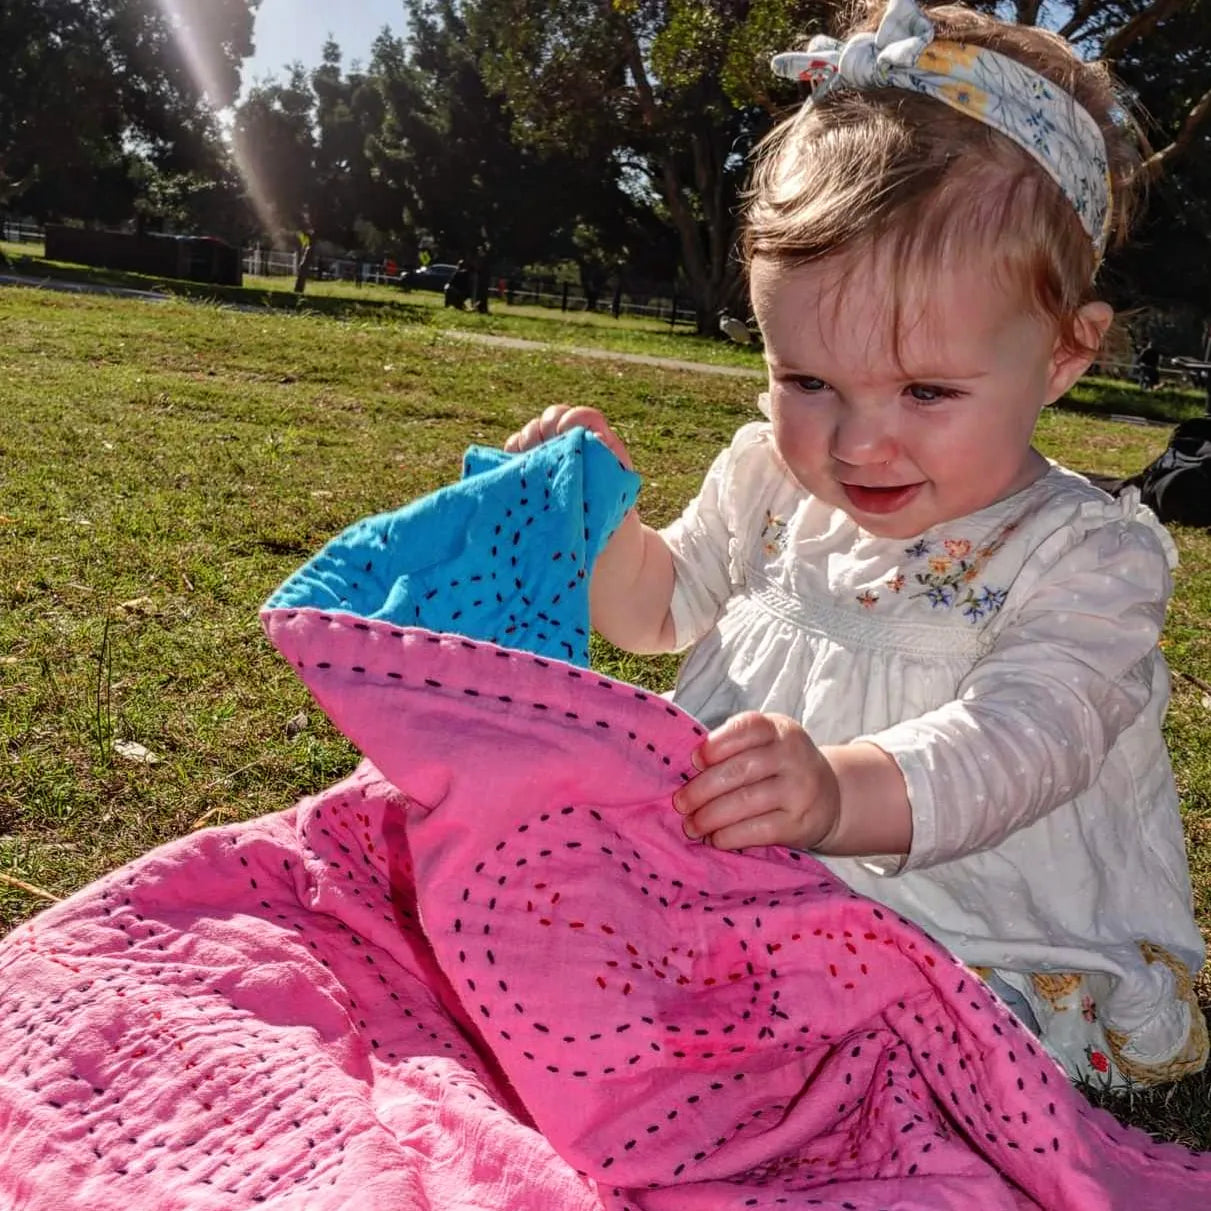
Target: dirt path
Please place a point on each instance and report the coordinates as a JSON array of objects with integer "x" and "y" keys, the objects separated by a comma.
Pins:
[{"x": 607, "y": 355}]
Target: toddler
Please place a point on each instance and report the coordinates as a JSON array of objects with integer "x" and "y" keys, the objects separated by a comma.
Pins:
[{"x": 928, "y": 654}]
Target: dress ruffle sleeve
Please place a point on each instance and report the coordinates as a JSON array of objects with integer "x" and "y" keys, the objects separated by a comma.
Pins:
[
  {"x": 705, "y": 539},
  {"x": 1073, "y": 664}
]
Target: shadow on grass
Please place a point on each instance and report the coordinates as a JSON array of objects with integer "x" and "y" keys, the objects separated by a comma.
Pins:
[
  {"x": 335, "y": 306},
  {"x": 1108, "y": 397}
]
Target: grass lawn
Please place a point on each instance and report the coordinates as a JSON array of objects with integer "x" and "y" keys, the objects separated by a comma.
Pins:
[
  {"x": 164, "y": 466},
  {"x": 424, "y": 308}
]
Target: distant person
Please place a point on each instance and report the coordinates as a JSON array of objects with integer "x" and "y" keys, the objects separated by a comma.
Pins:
[
  {"x": 458, "y": 289},
  {"x": 1147, "y": 367},
  {"x": 924, "y": 652}
]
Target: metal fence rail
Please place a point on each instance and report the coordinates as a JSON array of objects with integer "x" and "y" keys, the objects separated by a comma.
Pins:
[
  {"x": 528, "y": 291},
  {"x": 21, "y": 233}
]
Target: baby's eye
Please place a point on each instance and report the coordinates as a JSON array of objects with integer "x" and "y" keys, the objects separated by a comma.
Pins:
[
  {"x": 925, "y": 393},
  {"x": 806, "y": 382}
]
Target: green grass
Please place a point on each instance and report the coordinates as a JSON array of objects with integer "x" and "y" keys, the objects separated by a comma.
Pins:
[
  {"x": 390, "y": 304},
  {"x": 164, "y": 466}
]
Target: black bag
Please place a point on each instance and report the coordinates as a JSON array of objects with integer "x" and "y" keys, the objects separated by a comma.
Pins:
[{"x": 1177, "y": 485}]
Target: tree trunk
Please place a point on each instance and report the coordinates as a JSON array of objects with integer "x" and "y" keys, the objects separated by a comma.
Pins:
[
  {"x": 483, "y": 287},
  {"x": 703, "y": 278},
  {"x": 305, "y": 263}
]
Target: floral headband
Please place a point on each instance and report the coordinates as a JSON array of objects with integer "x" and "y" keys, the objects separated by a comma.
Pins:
[{"x": 996, "y": 90}]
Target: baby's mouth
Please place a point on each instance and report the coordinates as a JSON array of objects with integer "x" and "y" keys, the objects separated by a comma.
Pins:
[{"x": 880, "y": 500}]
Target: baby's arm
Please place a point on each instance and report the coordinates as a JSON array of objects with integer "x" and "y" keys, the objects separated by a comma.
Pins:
[
  {"x": 632, "y": 589},
  {"x": 1032, "y": 724},
  {"x": 632, "y": 585},
  {"x": 1028, "y": 730}
]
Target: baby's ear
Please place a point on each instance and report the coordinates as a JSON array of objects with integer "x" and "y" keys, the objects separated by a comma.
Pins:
[{"x": 1071, "y": 359}]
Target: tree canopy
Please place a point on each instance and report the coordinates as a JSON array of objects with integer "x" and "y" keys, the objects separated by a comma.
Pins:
[
  {"x": 614, "y": 133},
  {"x": 90, "y": 87}
]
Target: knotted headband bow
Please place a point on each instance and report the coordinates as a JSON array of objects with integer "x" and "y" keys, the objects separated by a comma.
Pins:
[{"x": 992, "y": 88}]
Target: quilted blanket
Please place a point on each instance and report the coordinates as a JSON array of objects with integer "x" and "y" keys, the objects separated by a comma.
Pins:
[{"x": 489, "y": 971}]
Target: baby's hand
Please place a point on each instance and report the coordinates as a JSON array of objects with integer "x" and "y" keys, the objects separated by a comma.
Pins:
[
  {"x": 763, "y": 782},
  {"x": 558, "y": 419}
]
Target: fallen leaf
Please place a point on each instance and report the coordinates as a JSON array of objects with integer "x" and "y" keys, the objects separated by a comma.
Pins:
[
  {"x": 132, "y": 750},
  {"x": 138, "y": 605},
  {"x": 296, "y": 724}
]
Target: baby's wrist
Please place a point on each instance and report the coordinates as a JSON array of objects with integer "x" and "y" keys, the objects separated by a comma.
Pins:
[{"x": 873, "y": 813}]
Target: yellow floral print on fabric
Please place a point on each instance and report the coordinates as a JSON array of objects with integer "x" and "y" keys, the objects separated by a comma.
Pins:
[
  {"x": 1193, "y": 1055},
  {"x": 944, "y": 57}
]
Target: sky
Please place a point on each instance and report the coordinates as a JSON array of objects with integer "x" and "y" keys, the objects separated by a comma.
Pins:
[{"x": 290, "y": 30}]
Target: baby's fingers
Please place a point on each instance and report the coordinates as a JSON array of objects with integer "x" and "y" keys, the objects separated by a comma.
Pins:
[
  {"x": 732, "y": 809},
  {"x": 766, "y": 829},
  {"x": 539, "y": 429},
  {"x": 748, "y": 730},
  {"x": 595, "y": 422}
]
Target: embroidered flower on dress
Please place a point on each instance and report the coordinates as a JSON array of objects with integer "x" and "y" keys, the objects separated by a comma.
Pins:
[
  {"x": 773, "y": 534},
  {"x": 939, "y": 595},
  {"x": 1088, "y": 1009},
  {"x": 1097, "y": 1060},
  {"x": 950, "y": 582}
]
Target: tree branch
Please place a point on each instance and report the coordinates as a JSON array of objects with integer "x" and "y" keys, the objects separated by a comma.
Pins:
[
  {"x": 1144, "y": 22},
  {"x": 1084, "y": 10},
  {"x": 1159, "y": 161},
  {"x": 1028, "y": 12}
]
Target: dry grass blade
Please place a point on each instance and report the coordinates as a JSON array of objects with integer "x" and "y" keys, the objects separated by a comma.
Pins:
[{"x": 28, "y": 888}]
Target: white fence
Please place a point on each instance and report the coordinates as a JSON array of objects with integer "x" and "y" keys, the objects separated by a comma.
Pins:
[
  {"x": 20, "y": 233},
  {"x": 259, "y": 262}
]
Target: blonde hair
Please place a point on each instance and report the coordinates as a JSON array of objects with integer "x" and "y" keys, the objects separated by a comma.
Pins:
[{"x": 905, "y": 175}]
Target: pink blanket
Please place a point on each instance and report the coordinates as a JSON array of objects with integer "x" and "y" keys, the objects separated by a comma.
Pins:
[{"x": 488, "y": 971}]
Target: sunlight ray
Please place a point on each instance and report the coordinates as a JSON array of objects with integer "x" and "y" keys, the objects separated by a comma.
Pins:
[{"x": 206, "y": 77}]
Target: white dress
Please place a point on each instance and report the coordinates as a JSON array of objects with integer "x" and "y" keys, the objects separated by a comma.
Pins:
[{"x": 1008, "y": 662}]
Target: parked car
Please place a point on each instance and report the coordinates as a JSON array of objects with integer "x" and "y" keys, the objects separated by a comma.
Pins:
[
  {"x": 429, "y": 277},
  {"x": 1197, "y": 373}
]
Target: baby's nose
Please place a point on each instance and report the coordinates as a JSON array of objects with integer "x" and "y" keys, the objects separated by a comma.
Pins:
[{"x": 863, "y": 436}]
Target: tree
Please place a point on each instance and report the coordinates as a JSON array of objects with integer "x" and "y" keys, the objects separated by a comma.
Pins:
[
  {"x": 683, "y": 88},
  {"x": 448, "y": 148},
  {"x": 678, "y": 88},
  {"x": 89, "y": 87},
  {"x": 348, "y": 194},
  {"x": 273, "y": 135}
]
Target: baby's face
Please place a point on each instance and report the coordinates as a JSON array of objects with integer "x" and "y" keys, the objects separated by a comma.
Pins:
[{"x": 906, "y": 435}]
